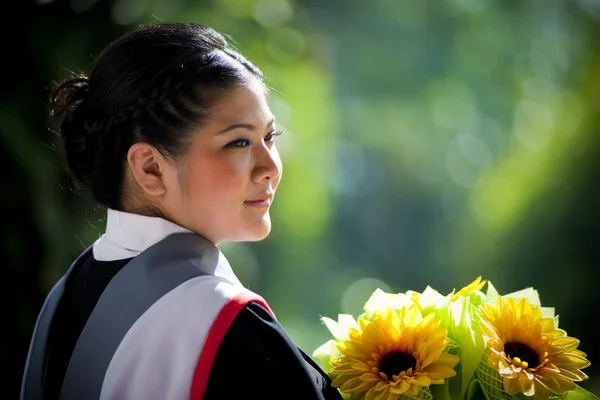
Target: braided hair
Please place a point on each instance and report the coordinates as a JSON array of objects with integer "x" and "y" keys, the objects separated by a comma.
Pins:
[{"x": 155, "y": 84}]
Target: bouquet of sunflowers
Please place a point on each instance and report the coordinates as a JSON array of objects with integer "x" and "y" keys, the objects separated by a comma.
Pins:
[{"x": 466, "y": 345}]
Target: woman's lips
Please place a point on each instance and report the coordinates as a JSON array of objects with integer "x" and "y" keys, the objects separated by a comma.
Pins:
[{"x": 266, "y": 202}]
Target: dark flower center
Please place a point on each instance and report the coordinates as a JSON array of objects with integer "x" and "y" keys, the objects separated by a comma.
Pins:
[
  {"x": 395, "y": 362},
  {"x": 524, "y": 352}
]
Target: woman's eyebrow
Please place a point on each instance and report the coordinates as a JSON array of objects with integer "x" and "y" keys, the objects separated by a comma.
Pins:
[{"x": 249, "y": 127}]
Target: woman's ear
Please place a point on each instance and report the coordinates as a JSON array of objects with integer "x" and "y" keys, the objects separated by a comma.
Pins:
[{"x": 147, "y": 166}]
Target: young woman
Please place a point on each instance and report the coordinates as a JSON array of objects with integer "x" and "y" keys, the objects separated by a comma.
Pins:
[{"x": 172, "y": 133}]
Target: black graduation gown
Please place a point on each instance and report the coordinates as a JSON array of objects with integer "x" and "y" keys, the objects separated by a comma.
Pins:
[{"x": 256, "y": 358}]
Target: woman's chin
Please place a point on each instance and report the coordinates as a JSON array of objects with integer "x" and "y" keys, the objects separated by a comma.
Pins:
[{"x": 260, "y": 231}]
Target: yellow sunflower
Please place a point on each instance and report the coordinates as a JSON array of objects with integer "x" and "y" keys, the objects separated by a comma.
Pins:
[
  {"x": 528, "y": 350},
  {"x": 477, "y": 284},
  {"x": 397, "y": 352}
]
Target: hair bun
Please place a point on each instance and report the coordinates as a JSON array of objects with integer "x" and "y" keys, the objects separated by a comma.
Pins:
[{"x": 68, "y": 95}]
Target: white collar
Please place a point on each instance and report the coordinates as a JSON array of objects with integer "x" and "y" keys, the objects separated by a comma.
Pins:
[{"x": 127, "y": 235}]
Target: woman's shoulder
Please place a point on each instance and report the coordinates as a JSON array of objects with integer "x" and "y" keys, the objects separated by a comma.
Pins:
[
  {"x": 170, "y": 340},
  {"x": 194, "y": 306}
]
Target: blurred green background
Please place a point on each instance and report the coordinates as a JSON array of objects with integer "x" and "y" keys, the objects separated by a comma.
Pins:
[{"x": 426, "y": 143}]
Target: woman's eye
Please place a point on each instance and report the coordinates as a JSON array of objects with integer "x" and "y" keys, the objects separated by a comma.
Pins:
[
  {"x": 271, "y": 136},
  {"x": 240, "y": 143}
]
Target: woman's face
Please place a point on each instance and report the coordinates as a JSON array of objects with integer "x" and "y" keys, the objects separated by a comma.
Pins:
[{"x": 223, "y": 187}]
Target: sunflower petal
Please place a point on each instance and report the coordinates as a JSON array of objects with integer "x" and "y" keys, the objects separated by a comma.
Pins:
[
  {"x": 402, "y": 387},
  {"x": 571, "y": 361},
  {"x": 356, "y": 385},
  {"x": 440, "y": 371},
  {"x": 511, "y": 385},
  {"x": 370, "y": 377}
]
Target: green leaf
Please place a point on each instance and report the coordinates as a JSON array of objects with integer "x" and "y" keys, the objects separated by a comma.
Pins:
[
  {"x": 476, "y": 298},
  {"x": 455, "y": 383},
  {"x": 529, "y": 293},
  {"x": 380, "y": 301},
  {"x": 491, "y": 293},
  {"x": 339, "y": 328},
  {"x": 475, "y": 392},
  {"x": 580, "y": 394},
  {"x": 547, "y": 311},
  {"x": 440, "y": 392},
  {"x": 444, "y": 315},
  {"x": 467, "y": 334},
  {"x": 431, "y": 299},
  {"x": 323, "y": 354}
]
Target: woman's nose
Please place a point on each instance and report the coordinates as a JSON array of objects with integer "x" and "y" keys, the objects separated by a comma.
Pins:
[{"x": 268, "y": 163}]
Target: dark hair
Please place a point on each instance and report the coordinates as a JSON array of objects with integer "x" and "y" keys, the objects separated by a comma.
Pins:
[{"x": 153, "y": 84}]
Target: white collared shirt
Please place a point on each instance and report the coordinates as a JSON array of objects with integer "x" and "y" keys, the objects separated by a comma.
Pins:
[{"x": 127, "y": 235}]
